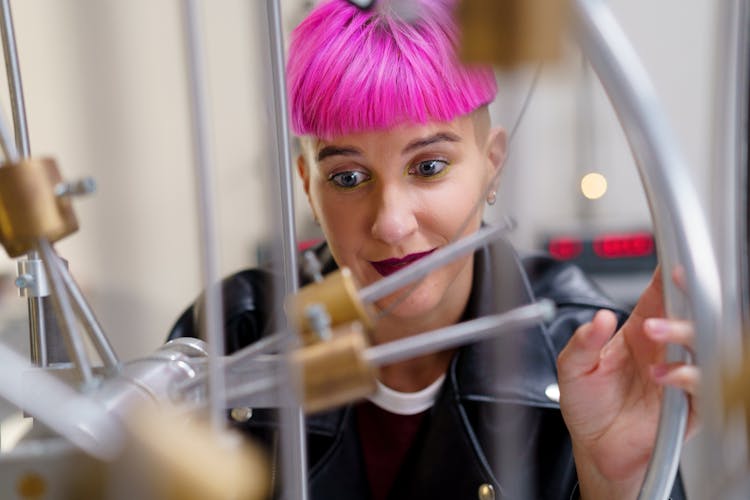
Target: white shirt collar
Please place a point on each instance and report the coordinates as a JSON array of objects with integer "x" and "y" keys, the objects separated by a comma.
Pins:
[{"x": 406, "y": 403}]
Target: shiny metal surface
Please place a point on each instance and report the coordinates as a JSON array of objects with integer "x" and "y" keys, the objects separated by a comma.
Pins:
[
  {"x": 64, "y": 310},
  {"x": 15, "y": 85},
  {"x": 681, "y": 229},
  {"x": 213, "y": 320},
  {"x": 436, "y": 259},
  {"x": 459, "y": 334},
  {"x": 34, "y": 287},
  {"x": 74, "y": 416},
  {"x": 6, "y": 142},
  {"x": 724, "y": 443},
  {"x": 151, "y": 380},
  {"x": 88, "y": 319},
  {"x": 293, "y": 434},
  {"x": 38, "y": 324},
  {"x": 32, "y": 281}
]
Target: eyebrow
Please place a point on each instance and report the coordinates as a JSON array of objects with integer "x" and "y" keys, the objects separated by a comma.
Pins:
[
  {"x": 329, "y": 151},
  {"x": 337, "y": 151},
  {"x": 439, "y": 137}
]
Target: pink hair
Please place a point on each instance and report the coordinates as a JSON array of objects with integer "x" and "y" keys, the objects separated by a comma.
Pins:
[{"x": 353, "y": 71}]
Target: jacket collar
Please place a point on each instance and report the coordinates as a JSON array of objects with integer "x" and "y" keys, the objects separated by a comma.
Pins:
[{"x": 517, "y": 366}]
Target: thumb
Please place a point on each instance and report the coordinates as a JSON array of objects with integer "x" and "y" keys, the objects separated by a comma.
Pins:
[{"x": 582, "y": 353}]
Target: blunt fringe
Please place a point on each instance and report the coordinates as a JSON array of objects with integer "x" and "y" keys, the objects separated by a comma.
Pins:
[{"x": 354, "y": 71}]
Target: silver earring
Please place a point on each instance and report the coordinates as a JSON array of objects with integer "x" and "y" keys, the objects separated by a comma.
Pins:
[{"x": 492, "y": 198}]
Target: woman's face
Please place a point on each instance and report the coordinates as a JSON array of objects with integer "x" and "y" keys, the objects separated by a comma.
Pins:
[{"x": 385, "y": 199}]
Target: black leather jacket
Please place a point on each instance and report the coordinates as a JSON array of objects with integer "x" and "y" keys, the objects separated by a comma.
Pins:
[{"x": 495, "y": 421}]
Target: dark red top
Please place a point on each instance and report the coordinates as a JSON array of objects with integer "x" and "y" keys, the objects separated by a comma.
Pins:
[{"x": 386, "y": 439}]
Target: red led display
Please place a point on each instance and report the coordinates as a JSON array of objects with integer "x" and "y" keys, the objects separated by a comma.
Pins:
[
  {"x": 565, "y": 248},
  {"x": 618, "y": 246}
]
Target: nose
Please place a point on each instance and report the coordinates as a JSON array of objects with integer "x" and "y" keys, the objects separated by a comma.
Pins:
[{"x": 395, "y": 218}]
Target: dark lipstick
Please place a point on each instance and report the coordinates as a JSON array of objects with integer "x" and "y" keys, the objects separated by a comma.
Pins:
[{"x": 390, "y": 266}]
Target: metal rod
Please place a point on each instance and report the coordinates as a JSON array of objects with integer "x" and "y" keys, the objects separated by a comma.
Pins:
[
  {"x": 203, "y": 164},
  {"x": 89, "y": 320},
  {"x": 460, "y": 334},
  {"x": 73, "y": 341},
  {"x": 723, "y": 443},
  {"x": 257, "y": 393},
  {"x": 6, "y": 142},
  {"x": 682, "y": 234},
  {"x": 263, "y": 346},
  {"x": 38, "y": 343},
  {"x": 15, "y": 84},
  {"x": 37, "y": 325},
  {"x": 436, "y": 259},
  {"x": 240, "y": 360},
  {"x": 293, "y": 436},
  {"x": 76, "y": 417},
  {"x": 254, "y": 392}
]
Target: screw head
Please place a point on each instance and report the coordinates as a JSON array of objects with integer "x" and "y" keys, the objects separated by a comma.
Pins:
[
  {"x": 241, "y": 414},
  {"x": 25, "y": 281}
]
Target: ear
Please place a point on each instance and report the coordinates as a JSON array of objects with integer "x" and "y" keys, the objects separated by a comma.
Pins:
[
  {"x": 303, "y": 170},
  {"x": 497, "y": 142}
]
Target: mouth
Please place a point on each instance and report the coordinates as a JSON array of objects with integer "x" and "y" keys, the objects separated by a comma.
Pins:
[{"x": 389, "y": 266}]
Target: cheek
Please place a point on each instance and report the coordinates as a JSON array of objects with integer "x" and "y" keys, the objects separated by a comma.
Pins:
[
  {"x": 339, "y": 220},
  {"x": 448, "y": 206},
  {"x": 331, "y": 209}
]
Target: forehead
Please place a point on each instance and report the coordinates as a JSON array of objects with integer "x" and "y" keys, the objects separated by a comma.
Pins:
[{"x": 403, "y": 137}]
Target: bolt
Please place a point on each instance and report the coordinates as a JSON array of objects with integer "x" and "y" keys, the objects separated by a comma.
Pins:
[
  {"x": 319, "y": 321},
  {"x": 241, "y": 414},
  {"x": 25, "y": 281},
  {"x": 79, "y": 187},
  {"x": 312, "y": 267}
]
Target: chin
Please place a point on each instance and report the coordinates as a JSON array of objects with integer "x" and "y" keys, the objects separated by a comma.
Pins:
[{"x": 417, "y": 304}]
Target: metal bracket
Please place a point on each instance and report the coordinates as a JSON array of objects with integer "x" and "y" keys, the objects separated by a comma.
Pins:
[{"x": 32, "y": 279}]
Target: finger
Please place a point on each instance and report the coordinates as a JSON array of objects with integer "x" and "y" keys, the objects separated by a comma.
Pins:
[
  {"x": 670, "y": 331},
  {"x": 680, "y": 375},
  {"x": 651, "y": 302},
  {"x": 678, "y": 277},
  {"x": 582, "y": 353}
]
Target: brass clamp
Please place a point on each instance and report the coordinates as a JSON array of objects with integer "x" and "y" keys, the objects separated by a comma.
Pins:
[
  {"x": 334, "y": 372},
  {"x": 338, "y": 295},
  {"x": 512, "y": 32},
  {"x": 35, "y": 204}
]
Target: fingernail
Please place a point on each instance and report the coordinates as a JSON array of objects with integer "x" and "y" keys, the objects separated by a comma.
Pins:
[
  {"x": 657, "y": 327},
  {"x": 658, "y": 371}
]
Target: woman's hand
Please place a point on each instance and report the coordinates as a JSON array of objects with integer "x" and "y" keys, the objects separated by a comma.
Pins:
[{"x": 611, "y": 388}]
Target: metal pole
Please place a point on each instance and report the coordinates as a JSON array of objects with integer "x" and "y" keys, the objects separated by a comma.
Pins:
[
  {"x": 75, "y": 416},
  {"x": 722, "y": 443},
  {"x": 239, "y": 361},
  {"x": 15, "y": 85},
  {"x": 60, "y": 299},
  {"x": 253, "y": 391},
  {"x": 6, "y": 143},
  {"x": 682, "y": 232},
  {"x": 293, "y": 436},
  {"x": 37, "y": 325},
  {"x": 213, "y": 317},
  {"x": 88, "y": 318},
  {"x": 436, "y": 259},
  {"x": 467, "y": 332}
]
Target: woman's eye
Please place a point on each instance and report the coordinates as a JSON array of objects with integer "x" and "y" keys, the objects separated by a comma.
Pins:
[
  {"x": 428, "y": 168},
  {"x": 349, "y": 179}
]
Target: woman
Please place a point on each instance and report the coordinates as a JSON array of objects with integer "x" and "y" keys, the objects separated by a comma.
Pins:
[{"x": 397, "y": 149}]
